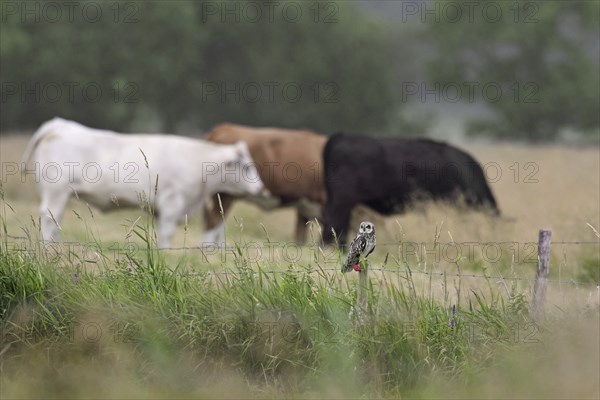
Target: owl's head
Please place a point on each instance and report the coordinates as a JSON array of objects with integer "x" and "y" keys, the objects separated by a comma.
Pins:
[{"x": 366, "y": 227}]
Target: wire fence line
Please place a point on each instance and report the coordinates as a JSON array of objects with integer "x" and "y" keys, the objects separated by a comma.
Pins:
[
  {"x": 131, "y": 247},
  {"x": 391, "y": 244},
  {"x": 407, "y": 272},
  {"x": 315, "y": 245}
]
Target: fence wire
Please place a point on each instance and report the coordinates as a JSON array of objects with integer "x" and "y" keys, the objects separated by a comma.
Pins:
[
  {"x": 396, "y": 244},
  {"x": 396, "y": 271},
  {"x": 315, "y": 247}
]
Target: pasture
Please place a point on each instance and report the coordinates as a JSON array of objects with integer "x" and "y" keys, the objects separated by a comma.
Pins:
[{"x": 107, "y": 315}]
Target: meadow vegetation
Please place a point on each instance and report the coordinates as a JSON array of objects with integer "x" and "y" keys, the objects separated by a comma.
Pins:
[{"x": 114, "y": 317}]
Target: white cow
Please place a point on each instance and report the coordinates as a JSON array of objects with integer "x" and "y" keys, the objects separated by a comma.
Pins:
[{"x": 174, "y": 175}]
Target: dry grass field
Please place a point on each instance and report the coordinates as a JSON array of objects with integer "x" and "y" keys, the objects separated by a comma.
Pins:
[
  {"x": 536, "y": 187},
  {"x": 450, "y": 252},
  {"x": 549, "y": 187}
]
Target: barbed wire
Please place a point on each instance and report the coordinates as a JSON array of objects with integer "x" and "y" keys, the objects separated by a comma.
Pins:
[
  {"x": 317, "y": 245},
  {"x": 396, "y": 271},
  {"x": 407, "y": 272}
]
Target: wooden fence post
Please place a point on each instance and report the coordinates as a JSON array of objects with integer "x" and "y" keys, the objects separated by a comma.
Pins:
[
  {"x": 360, "y": 311},
  {"x": 541, "y": 275}
]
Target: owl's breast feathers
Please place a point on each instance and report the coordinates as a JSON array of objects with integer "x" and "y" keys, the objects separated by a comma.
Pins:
[{"x": 359, "y": 244}]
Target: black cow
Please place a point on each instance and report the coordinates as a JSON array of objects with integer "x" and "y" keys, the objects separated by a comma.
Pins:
[{"x": 387, "y": 174}]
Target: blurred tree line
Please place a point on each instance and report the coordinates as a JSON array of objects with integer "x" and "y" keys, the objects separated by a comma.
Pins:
[
  {"x": 330, "y": 66},
  {"x": 187, "y": 65},
  {"x": 543, "y": 57}
]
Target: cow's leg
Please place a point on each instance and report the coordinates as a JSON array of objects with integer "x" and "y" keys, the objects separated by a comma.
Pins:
[
  {"x": 306, "y": 211},
  {"x": 215, "y": 236},
  {"x": 336, "y": 217},
  {"x": 166, "y": 229},
  {"x": 52, "y": 209},
  {"x": 214, "y": 222},
  {"x": 171, "y": 210},
  {"x": 301, "y": 227}
]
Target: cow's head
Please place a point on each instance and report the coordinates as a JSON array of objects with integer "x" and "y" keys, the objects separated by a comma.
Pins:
[{"x": 239, "y": 173}]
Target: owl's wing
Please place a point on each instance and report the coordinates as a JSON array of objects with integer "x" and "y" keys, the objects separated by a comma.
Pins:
[
  {"x": 370, "y": 245},
  {"x": 358, "y": 245}
]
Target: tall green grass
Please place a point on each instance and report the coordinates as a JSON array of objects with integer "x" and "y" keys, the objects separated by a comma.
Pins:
[
  {"x": 142, "y": 326},
  {"x": 284, "y": 331}
]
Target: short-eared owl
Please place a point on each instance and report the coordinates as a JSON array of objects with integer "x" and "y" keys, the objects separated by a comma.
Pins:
[{"x": 363, "y": 244}]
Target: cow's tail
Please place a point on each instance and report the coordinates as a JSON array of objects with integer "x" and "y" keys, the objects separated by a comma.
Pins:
[
  {"x": 481, "y": 189},
  {"x": 487, "y": 195},
  {"x": 38, "y": 136}
]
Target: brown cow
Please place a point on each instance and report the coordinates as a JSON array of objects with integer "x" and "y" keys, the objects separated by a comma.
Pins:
[{"x": 289, "y": 163}]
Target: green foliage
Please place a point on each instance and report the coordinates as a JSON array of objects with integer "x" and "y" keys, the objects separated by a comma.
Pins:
[
  {"x": 590, "y": 270},
  {"x": 282, "y": 331},
  {"x": 178, "y": 67},
  {"x": 23, "y": 284},
  {"x": 173, "y": 66},
  {"x": 544, "y": 57}
]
